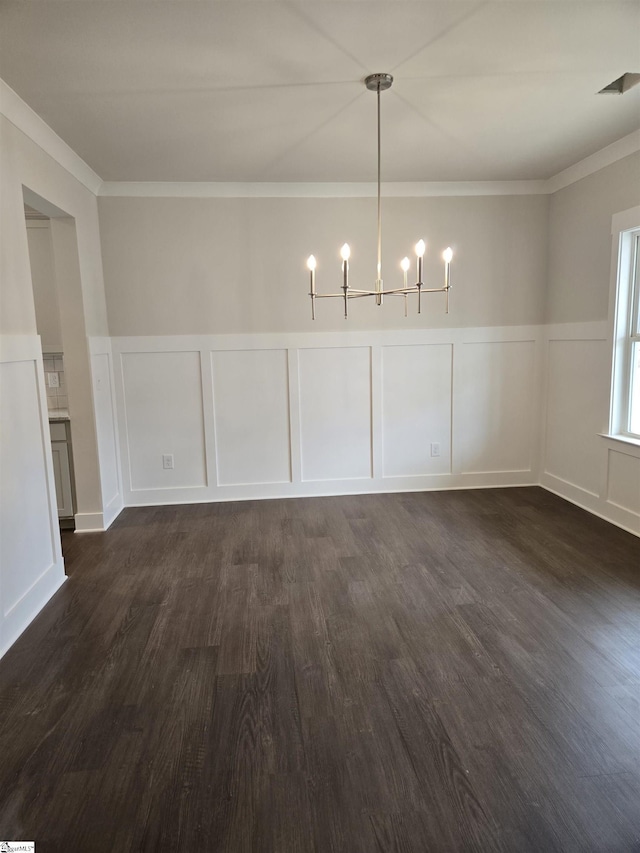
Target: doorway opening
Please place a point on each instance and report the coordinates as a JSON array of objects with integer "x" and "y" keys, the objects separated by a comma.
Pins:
[{"x": 55, "y": 273}]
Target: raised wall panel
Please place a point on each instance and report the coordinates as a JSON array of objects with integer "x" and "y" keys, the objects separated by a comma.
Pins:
[
  {"x": 495, "y": 406},
  {"x": 416, "y": 409},
  {"x": 105, "y": 426},
  {"x": 335, "y": 413},
  {"x": 577, "y": 404},
  {"x": 26, "y": 544},
  {"x": 623, "y": 480},
  {"x": 251, "y": 412},
  {"x": 163, "y": 410}
]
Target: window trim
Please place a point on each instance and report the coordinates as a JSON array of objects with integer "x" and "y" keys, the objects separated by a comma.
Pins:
[{"x": 623, "y": 310}]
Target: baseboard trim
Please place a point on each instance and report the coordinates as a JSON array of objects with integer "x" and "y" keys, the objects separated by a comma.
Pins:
[
  {"x": 98, "y": 522},
  {"x": 90, "y": 522},
  {"x": 593, "y": 504},
  {"x": 112, "y": 510},
  {"x": 582, "y": 498},
  {"x": 323, "y": 491},
  {"x": 570, "y": 488},
  {"x": 22, "y": 614}
]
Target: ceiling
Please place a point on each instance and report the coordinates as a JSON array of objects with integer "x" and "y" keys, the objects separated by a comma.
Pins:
[{"x": 273, "y": 91}]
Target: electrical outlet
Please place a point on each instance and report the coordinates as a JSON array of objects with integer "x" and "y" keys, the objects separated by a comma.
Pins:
[
  {"x": 435, "y": 448},
  {"x": 167, "y": 461},
  {"x": 53, "y": 379}
]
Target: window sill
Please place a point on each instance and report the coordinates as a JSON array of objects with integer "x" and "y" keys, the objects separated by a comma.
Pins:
[{"x": 623, "y": 439}]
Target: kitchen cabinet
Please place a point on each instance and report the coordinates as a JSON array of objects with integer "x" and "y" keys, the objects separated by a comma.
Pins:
[{"x": 63, "y": 467}]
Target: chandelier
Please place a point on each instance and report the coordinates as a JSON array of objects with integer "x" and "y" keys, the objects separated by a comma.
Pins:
[{"x": 379, "y": 83}]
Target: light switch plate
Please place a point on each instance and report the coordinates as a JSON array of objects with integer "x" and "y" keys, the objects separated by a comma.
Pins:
[{"x": 53, "y": 380}]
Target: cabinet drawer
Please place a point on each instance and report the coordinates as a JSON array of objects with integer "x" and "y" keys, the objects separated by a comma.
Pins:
[{"x": 58, "y": 431}]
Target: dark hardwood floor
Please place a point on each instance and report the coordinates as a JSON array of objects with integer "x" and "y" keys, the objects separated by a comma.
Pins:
[{"x": 414, "y": 672}]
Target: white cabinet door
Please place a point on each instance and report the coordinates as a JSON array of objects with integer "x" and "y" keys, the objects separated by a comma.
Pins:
[{"x": 62, "y": 476}]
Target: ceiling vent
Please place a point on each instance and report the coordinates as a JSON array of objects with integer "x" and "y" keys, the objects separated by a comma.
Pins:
[{"x": 621, "y": 85}]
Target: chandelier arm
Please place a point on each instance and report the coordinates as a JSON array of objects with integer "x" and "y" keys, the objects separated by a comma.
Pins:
[
  {"x": 353, "y": 293},
  {"x": 399, "y": 291},
  {"x": 404, "y": 290}
]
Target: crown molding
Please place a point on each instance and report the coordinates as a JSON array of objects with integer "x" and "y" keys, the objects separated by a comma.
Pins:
[
  {"x": 29, "y": 122},
  {"x": 605, "y": 157},
  {"x": 20, "y": 114},
  {"x": 408, "y": 189},
  {"x": 629, "y": 144}
]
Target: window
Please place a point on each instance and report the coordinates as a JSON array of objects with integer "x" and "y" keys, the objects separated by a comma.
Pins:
[
  {"x": 634, "y": 344},
  {"x": 625, "y": 397}
]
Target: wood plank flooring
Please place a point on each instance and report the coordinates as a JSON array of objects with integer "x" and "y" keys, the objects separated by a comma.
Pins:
[{"x": 448, "y": 671}]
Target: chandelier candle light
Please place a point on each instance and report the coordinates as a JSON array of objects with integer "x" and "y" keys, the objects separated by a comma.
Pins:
[{"x": 378, "y": 83}]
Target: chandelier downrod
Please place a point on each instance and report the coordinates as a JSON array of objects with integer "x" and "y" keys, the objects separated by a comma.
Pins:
[
  {"x": 379, "y": 83},
  {"x": 379, "y": 267}
]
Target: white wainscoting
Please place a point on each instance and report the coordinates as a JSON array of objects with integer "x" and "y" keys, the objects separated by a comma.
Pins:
[
  {"x": 106, "y": 428},
  {"x": 163, "y": 408},
  {"x": 579, "y": 462},
  {"x": 335, "y": 413},
  {"x": 251, "y": 416},
  {"x": 623, "y": 480},
  {"x": 576, "y": 410},
  {"x": 31, "y": 564},
  {"x": 495, "y": 415},
  {"x": 416, "y": 409},
  {"x": 258, "y": 416}
]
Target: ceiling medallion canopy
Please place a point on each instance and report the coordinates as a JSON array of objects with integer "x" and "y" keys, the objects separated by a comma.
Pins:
[{"x": 379, "y": 83}]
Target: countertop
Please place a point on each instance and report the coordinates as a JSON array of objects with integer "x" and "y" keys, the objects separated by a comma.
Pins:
[{"x": 58, "y": 415}]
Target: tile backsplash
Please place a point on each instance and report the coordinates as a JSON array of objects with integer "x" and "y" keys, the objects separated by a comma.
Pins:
[{"x": 57, "y": 396}]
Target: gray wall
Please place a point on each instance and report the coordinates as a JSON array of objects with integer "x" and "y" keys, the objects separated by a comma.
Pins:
[
  {"x": 580, "y": 240},
  {"x": 209, "y": 266}
]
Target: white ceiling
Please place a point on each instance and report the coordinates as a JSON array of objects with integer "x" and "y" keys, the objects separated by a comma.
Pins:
[{"x": 272, "y": 91}]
